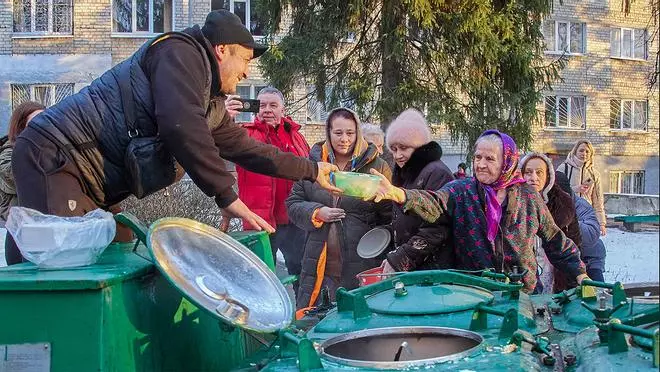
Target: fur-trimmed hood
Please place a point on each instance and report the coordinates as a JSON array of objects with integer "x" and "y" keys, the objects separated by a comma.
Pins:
[{"x": 419, "y": 159}]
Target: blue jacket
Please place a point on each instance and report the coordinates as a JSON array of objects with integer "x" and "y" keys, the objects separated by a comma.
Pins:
[{"x": 592, "y": 246}]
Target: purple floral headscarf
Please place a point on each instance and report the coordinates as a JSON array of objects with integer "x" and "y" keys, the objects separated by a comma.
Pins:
[{"x": 510, "y": 176}]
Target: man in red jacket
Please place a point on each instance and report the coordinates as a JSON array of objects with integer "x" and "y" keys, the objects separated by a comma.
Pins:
[{"x": 265, "y": 195}]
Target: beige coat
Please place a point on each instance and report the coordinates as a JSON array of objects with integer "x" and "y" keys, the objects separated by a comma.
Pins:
[{"x": 8, "y": 196}]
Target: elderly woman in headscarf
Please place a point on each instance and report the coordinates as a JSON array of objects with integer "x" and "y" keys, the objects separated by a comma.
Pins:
[
  {"x": 585, "y": 180},
  {"x": 494, "y": 217},
  {"x": 335, "y": 224},
  {"x": 538, "y": 171}
]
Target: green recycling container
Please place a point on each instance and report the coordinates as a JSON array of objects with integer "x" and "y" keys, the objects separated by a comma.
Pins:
[
  {"x": 258, "y": 242},
  {"x": 120, "y": 314}
]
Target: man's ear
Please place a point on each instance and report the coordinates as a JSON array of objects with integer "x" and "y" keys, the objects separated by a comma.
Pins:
[{"x": 219, "y": 51}]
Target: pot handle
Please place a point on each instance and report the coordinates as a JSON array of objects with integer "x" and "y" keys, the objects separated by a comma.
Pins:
[{"x": 132, "y": 222}]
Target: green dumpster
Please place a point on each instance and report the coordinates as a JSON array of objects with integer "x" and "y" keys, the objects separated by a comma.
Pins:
[
  {"x": 120, "y": 314},
  {"x": 257, "y": 242}
]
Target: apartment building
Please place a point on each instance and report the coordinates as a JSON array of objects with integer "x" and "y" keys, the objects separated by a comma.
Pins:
[
  {"x": 604, "y": 96},
  {"x": 50, "y": 49}
]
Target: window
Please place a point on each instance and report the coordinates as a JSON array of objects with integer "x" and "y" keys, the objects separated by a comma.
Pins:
[
  {"x": 46, "y": 94},
  {"x": 247, "y": 91},
  {"x": 565, "y": 37},
  {"x": 565, "y": 112},
  {"x": 627, "y": 182},
  {"x": 245, "y": 10},
  {"x": 317, "y": 112},
  {"x": 141, "y": 16},
  {"x": 43, "y": 17},
  {"x": 628, "y": 114},
  {"x": 628, "y": 43}
]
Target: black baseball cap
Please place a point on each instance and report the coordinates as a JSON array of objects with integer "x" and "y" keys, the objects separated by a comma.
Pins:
[{"x": 224, "y": 27}]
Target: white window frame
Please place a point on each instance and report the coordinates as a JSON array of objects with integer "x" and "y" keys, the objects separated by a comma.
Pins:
[
  {"x": 52, "y": 86},
  {"x": 248, "y": 15},
  {"x": 555, "y": 47},
  {"x": 620, "y": 175},
  {"x": 134, "y": 33},
  {"x": 568, "y": 113},
  {"x": 632, "y": 115},
  {"x": 632, "y": 43},
  {"x": 33, "y": 11}
]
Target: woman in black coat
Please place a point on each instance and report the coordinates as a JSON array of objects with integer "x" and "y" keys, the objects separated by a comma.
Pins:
[
  {"x": 417, "y": 166},
  {"x": 335, "y": 224}
]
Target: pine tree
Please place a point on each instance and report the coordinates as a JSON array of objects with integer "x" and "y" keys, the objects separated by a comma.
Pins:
[{"x": 469, "y": 64}]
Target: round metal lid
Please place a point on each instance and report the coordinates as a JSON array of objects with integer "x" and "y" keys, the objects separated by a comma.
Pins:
[
  {"x": 374, "y": 242},
  {"x": 436, "y": 299},
  {"x": 220, "y": 275}
]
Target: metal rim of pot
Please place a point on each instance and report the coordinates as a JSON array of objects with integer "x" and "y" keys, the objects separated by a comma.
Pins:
[{"x": 400, "y": 330}]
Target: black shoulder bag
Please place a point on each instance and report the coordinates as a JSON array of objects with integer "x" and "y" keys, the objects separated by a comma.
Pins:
[{"x": 150, "y": 166}]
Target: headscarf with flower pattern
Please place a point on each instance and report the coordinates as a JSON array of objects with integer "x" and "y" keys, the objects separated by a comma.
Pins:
[{"x": 510, "y": 176}]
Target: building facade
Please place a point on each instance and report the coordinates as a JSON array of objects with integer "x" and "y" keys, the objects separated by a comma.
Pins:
[
  {"x": 50, "y": 49},
  {"x": 604, "y": 94}
]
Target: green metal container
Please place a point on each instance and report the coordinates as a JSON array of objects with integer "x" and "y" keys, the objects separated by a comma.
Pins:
[
  {"x": 120, "y": 314},
  {"x": 257, "y": 242}
]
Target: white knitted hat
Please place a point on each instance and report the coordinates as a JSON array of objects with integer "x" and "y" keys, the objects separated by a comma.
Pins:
[{"x": 408, "y": 129}]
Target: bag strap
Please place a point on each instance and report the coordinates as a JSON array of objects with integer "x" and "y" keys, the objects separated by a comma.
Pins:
[
  {"x": 126, "y": 84},
  {"x": 127, "y": 99}
]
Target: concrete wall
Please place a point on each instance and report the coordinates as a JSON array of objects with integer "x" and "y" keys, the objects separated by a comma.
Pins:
[{"x": 632, "y": 204}]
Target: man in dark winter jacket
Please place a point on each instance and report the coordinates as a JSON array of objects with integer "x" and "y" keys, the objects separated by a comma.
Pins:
[{"x": 121, "y": 134}]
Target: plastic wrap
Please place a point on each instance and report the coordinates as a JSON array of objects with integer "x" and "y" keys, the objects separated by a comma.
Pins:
[{"x": 59, "y": 242}]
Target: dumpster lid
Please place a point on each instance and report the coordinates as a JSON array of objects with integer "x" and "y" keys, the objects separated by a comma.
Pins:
[{"x": 219, "y": 274}]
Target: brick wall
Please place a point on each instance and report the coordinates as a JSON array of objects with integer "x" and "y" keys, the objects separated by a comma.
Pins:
[
  {"x": 91, "y": 32},
  {"x": 6, "y": 26}
]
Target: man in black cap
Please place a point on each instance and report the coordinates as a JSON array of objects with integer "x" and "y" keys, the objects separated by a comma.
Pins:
[{"x": 122, "y": 134}]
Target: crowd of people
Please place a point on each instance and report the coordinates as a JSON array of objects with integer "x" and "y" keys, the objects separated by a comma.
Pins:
[
  {"x": 510, "y": 212},
  {"x": 175, "y": 97}
]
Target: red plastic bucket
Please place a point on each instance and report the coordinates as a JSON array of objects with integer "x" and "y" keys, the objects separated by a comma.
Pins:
[{"x": 371, "y": 276}]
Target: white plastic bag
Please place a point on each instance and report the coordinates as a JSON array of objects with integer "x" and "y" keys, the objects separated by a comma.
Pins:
[{"x": 58, "y": 242}]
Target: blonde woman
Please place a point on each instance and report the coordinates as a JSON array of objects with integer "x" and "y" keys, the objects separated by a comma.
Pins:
[{"x": 585, "y": 180}]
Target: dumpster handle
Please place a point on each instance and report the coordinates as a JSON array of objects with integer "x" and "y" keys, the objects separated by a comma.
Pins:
[{"x": 129, "y": 220}]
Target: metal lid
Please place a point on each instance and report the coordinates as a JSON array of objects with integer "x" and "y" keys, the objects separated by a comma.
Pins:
[
  {"x": 220, "y": 275},
  {"x": 436, "y": 299},
  {"x": 374, "y": 242}
]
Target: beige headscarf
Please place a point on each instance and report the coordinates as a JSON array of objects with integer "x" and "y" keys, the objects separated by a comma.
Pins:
[{"x": 328, "y": 155}]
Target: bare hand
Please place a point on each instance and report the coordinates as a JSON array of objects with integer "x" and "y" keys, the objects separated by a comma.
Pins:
[
  {"x": 238, "y": 209},
  {"x": 603, "y": 230},
  {"x": 386, "y": 191},
  {"x": 224, "y": 222},
  {"x": 387, "y": 268},
  {"x": 327, "y": 214},
  {"x": 323, "y": 177},
  {"x": 233, "y": 105}
]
